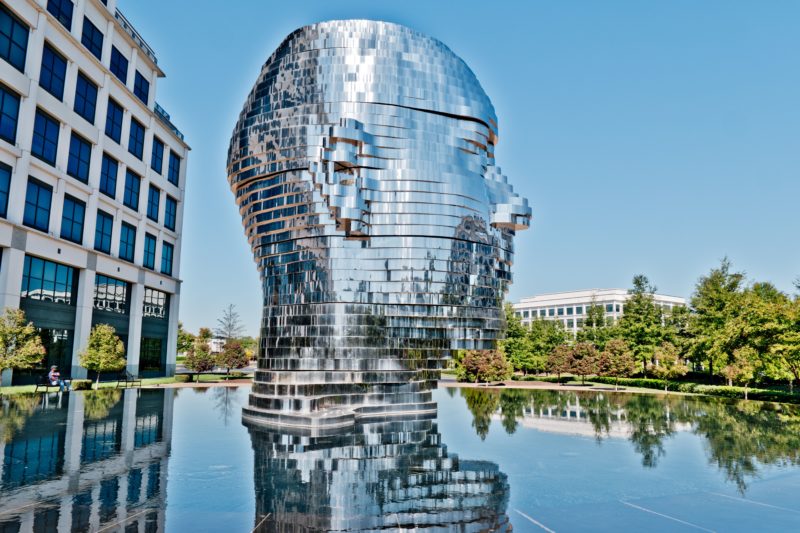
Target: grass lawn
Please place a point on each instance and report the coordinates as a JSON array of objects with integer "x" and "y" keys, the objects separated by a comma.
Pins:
[{"x": 146, "y": 382}]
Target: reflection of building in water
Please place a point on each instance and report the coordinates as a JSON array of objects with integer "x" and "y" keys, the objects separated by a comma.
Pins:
[
  {"x": 391, "y": 474},
  {"x": 86, "y": 462}
]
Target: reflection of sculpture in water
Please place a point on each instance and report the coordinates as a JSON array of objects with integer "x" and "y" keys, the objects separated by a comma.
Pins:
[
  {"x": 740, "y": 435},
  {"x": 363, "y": 167},
  {"x": 393, "y": 475}
]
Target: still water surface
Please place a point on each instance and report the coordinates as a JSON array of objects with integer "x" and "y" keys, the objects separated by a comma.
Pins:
[{"x": 180, "y": 460}]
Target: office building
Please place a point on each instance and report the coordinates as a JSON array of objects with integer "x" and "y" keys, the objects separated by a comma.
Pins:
[
  {"x": 571, "y": 307},
  {"x": 92, "y": 177}
]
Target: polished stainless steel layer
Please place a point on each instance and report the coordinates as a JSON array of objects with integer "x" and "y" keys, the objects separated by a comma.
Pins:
[{"x": 363, "y": 167}]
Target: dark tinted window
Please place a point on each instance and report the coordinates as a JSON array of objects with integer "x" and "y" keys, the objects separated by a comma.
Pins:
[
  {"x": 85, "y": 97},
  {"x": 13, "y": 39},
  {"x": 174, "y": 173},
  {"x": 127, "y": 242},
  {"x": 149, "y": 260},
  {"x": 170, "y": 212},
  {"x": 62, "y": 11},
  {"x": 114, "y": 120},
  {"x": 54, "y": 72},
  {"x": 136, "y": 138},
  {"x": 5, "y": 186},
  {"x": 119, "y": 65},
  {"x": 141, "y": 87},
  {"x": 92, "y": 38},
  {"x": 37, "y": 205},
  {"x": 166, "y": 258},
  {"x": 110, "y": 294},
  {"x": 157, "y": 155},
  {"x": 9, "y": 115},
  {"x": 132, "y": 184},
  {"x": 153, "y": 201},
  {"x": 108, "y": 176},
  {"x": 48, "y": 281},
  {"x": 72, "y": 219},
  {"x": 80, "y": 154},
  {"x": 102, "y": 233}
]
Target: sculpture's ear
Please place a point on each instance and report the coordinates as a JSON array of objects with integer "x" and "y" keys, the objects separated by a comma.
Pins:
[
  {"x": 509, "y": 209},
  {"x": 336, "y": 173}
]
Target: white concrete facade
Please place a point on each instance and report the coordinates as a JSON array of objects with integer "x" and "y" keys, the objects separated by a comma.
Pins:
[
  {"x": 571, "y": 307},
  {"x": 18, "y": 239}
]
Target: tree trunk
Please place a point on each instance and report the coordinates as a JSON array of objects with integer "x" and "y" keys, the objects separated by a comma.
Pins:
[
  {"x": 745, "y": 391},
  {"x": 666, "y": 385},
  {"x": 730, "y": 382},
  {"x": 616, "y": 383},
  {"x": 97, "y": 385}
]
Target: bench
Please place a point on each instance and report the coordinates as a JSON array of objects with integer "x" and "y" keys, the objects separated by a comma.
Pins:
[
  {"x": 126, "y": 378},
  {"x": 43, "y": 381}
]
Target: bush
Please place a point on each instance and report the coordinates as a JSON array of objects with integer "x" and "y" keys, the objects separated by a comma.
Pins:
[
  {"x": 81, "y": 384},
  {"x": 183, "y": 378},
  {"x": 545, "y": 379},
  {"x": 238, "y": 375}
]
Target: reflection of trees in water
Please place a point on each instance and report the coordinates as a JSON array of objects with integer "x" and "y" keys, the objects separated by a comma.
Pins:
[
  {"x": 739, "y": 436},
  {"x": 224, "y": 403},
  {"x": 97, "y": 404},
  {"x": 15, "y": 412}
]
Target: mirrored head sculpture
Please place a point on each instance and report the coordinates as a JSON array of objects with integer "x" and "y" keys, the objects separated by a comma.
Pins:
[{"x": 363, "y": 167}]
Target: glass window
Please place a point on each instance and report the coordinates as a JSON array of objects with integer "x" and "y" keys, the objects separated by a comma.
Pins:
[
  {"x": 13, "y": 39},
  {"x": 108, "y": 176},
  {"x": 80, "y": 154},
  {"x": 157, "y": 156},
  {"x": 570, "y": 323},
  {"x": 54, "y": 72},
  {"x": 102, "y": 232},
  {"x": 150, "y": 360},
  {"x": 127, "y": 242},
  {"x": 153, "y": 201},
  {"x": 72, "y": 219},
  {"x": 5, "y": 187},
  {"x": 92, "y": 38},
  {"x": 609, "y": 308},
  {"x": 149, "y": 260},
  {"x": 132, "y": 184},
  {"x": 9, "y": 113},
  {"x": 166, "y": 258},
  {"x": 48, "y": 281},
  {"x": 85, "y": 97},
  {"x": 617, "y": 306},
  {"x": 141, "y": 87},
  {"x": 526, "y": 314},
  {"x": 62, "y": 11},
  {"x": 110, "y": 294},
  {"x": 119, "y": 65},
  {"x": 114, "y": 120},
  {"x": 542, "y": 312},
  {"x": 569, "y": 311},
  {"x": 170, "y": 212},
  {"x": 156, "y": 303},
  {"x": 551, "y": 312},
  {"x": 37, "y": 205},
  {"x": 174, "y": 172},
  {"x": 136, "y": 138},
  {"x": 579, "y": 310},
  {"x": 45, "y": 137},
  {"x": 560, "y": 311}
]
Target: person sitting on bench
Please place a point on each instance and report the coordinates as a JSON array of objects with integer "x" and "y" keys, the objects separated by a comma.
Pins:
[{"x": 54, "y": 377}]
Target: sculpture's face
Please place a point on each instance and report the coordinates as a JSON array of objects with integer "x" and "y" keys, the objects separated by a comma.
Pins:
[{"x": 363, "y": 167}]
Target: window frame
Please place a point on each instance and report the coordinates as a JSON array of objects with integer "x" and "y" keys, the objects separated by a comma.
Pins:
[
  {"x": 167, "y": 258},
  {"x": 132, "y": 194},
  {"x": 126, "y": 231},
  {"x": 6, "y": 93},
  {"x": 105, "y": 179},
  {"x": 113, "y": 129},
  {"x": 149, "y": 257},
  {"x": 157, "y": 155},
  {"x": 84, "y": 100},
  {"x": 136, "y": 135},
  {"x": 100, "y": 234},
  {"x": 153, "y": 207},
  {"x": 53, "y": 71},
  {"x": 80, "y": 158},
  {"x": 174, "y": 170},
  {"x": 11, "y": 41},
  {"x": 73, "y": 223},
  {"x": 141, "y": 87},
  {"x": 58, "y": 9},
  {"x": 36, "y": 205},
  {"x": 119, "y": 62},
  {"x": 90, "y": 41},
  {"x": 170, "y": 215}
]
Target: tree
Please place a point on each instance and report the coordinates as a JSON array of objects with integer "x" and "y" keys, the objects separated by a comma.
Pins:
[
  {"x": 199, "y": 357},
  {"x": 584, "y": 360},
  {"x": 230, "y": 325},
  {"x": 668, "y": 364},
  {"x": 560, "y": 360},
  {"x": 544, "y": 335},
  {"x": 104, "y": 352},
  {"x": 715, "y": 301},
  {"x": 741, "y": 367},
  {"x": 205, "y": 334},
  {"x": 642, "y": 323},
  {"x": 185, "y": 339},
  {"x": 233, "y": 355},
  {"x": 485, "y": 366},
  {"x": 20, "y": 344},
  {"x": 617, "y": 361},
  {"x": 787, "y": 342},
  {"x": 595, "y": 329},
  {"x": 519, "y": 352}
]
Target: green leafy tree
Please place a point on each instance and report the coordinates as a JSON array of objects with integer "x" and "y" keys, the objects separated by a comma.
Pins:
[
  {"x": 20, "y": 344},
  {"x": 233, "y": 355},
  {"x": 716, "y": 300},
  {"x": 104, "y": 352},
  {"x": 559, "y": 361},
  {"x": 641, "y": 324},
  {"x": 668, "y": 364},
  {"x": 482, "y": 403},
  {"x": 486, "y": 365},
  {"x": 585, "y": 359},
  {"x": 787, "y": 342},
  {"x": 205, "y": 334},
  {"x": 617, "y": 361},
  {"x": 199, "y": 358},
  {"x": 741, "y": 368},
  {"x": 544, "y": 336},
  {"x": 595, "y": 328},
  {"x": 185, "y": 339},
  {"x": 519, "y": 352}
]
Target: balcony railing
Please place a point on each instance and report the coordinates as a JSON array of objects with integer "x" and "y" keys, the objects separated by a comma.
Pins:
[
  {"x": 164, "y": 116},
  {"x": 135, "y": 36}
]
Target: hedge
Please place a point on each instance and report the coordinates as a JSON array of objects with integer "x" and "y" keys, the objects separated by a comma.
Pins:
[{"x": 767, "y": 395}]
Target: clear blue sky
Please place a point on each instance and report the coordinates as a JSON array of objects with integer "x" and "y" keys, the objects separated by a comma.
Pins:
[{"x": 649, "y": 137}]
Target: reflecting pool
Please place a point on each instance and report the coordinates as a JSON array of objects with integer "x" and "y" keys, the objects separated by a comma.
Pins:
[{"x": 180, "y": 459}]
